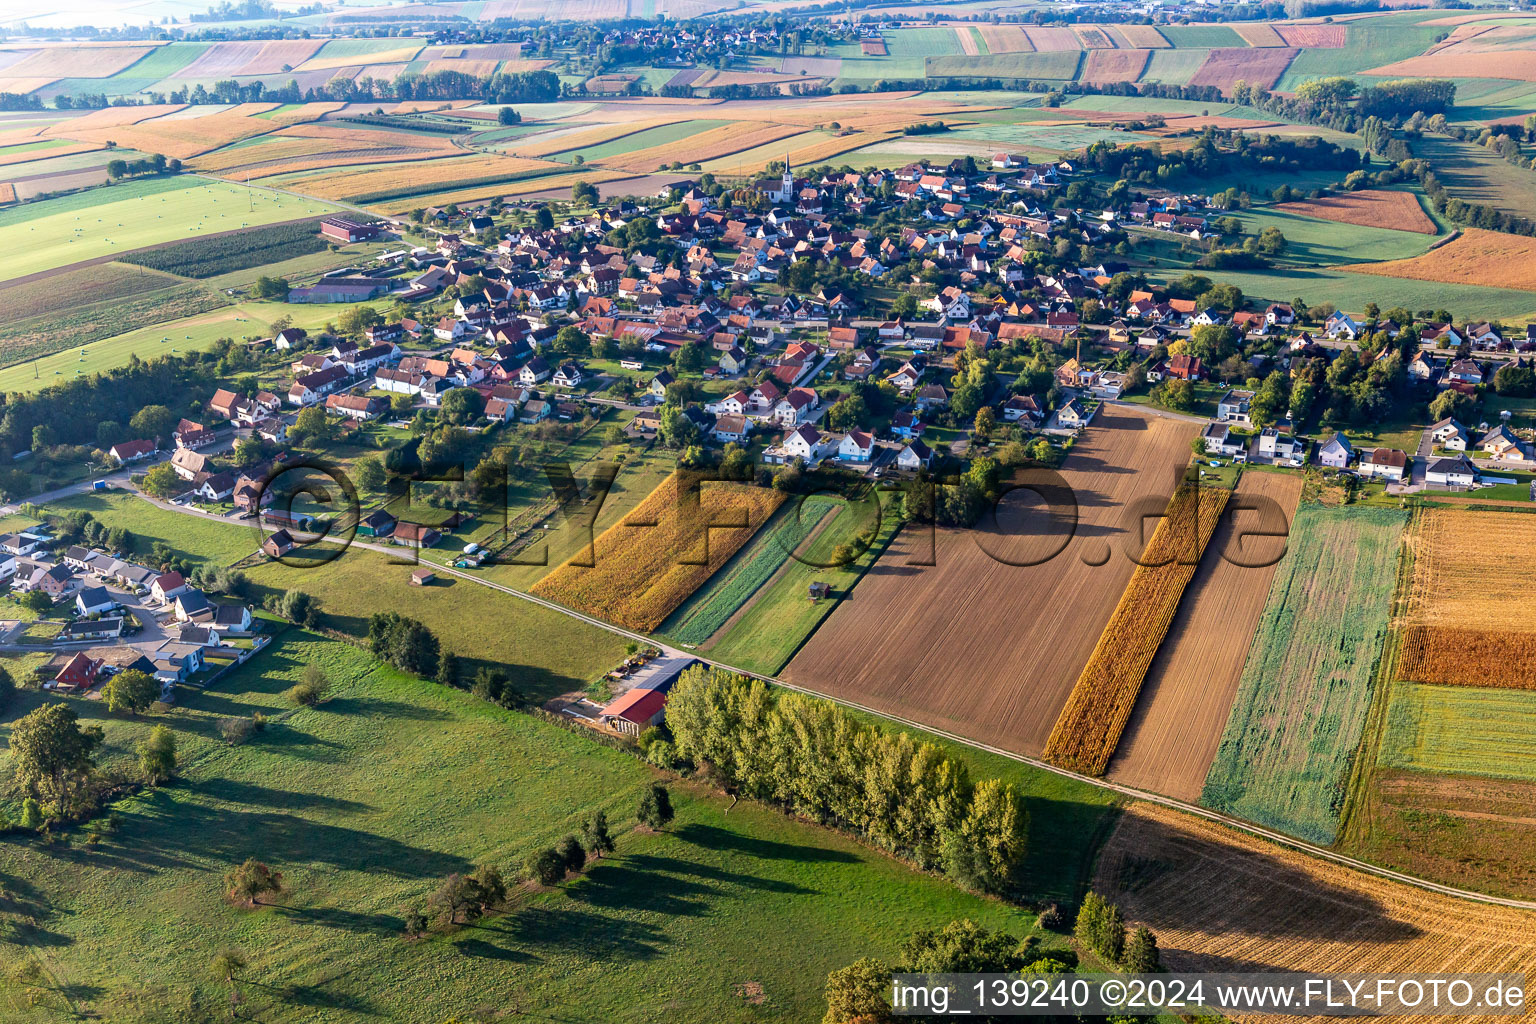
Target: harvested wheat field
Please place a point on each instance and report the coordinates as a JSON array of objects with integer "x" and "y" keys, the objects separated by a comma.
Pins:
[
  {"x": 582, "y": 136},
  {"x": 377, "y": 183},
  {"x": 1371, "y": 208},
  {"x": 1312, "y": 37},
  {"x": 943, "y": 632},
  {"x": 1095, "y": 714},
  {"x": 642, "y": 568},
  {"x": 1005, "y": 39},
  {"x": 76, "y": 62},
  {"x": 1476, "y": 256},
  {"x": 1186, "y": 699},
  {"x": 1257, "y": 66},
  {"x": 1053, "y": 38},
  {"x": 1515, "y": 65},
  {"x": 280, "y": 56},
  {"x": 1260, "y": 34},
  {"x": 183, "y": 138},
  {"x": 1143, "y": 36},
  {"x": 542, "y": 185},
  {"x": 1221, "y": 900},
  {"x": 1468, "y": 621},
  {"x": 1115, "y": 65}
]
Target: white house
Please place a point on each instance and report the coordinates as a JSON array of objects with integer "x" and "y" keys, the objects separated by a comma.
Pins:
[
  {"x": 1450, "y": 435},
  {"x": 1218, "y": 440},
  {"x": 1235, "y": 407},
  {"x": 1336, "y": 452},
  {"x": 914, "y": 456},
  {"x": 1451, "y": 472},
  {"x": 1386, "y": 464},
  {"x": 857, "y": 446}
]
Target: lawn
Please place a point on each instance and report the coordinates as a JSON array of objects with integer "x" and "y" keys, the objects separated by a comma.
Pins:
[
  {"x": 365, "y": 802},
  {"x": 1301, "y": 704},
  {"x": 119, "y": 218},
  {"x": 218, "y": 543},
  {"x": 781, "y": 616}
]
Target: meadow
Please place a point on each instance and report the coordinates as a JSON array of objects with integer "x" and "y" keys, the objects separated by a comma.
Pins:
[
  {"x": 1460, "y": 730},
  {"x": 366, "y": 801},
  {"x": 121, "y": 218},
  {"x": 1301, "y": 705}
]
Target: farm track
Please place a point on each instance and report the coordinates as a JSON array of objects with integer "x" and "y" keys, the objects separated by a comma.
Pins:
[{"x": 1319, "y": 852}]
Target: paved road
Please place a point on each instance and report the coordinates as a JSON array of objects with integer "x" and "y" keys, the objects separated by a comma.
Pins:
[{"x": 1319, "y": 852}]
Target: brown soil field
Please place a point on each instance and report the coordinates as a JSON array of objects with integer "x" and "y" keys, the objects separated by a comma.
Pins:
[
  {"x": 111, "y": 117},
  {"x": 1093, "y": 38},
  {"x": 1145, "y": 36},
  {"x": 1101, "y": 703},
  {"x": 1476, "y": 257},
  {"x": 873, "y": 47},
  {"x": 1456, "y": 38},
  {"x": 21, "y": 86},
  {"x": 642, "y": 568},
  {"x": 824, "y": 67},
  {"x": 1115, "y": 65},
  {"x": 1228, "y": 65},
  {"x": 809, "y": 150},
  {"x": 281, "y": 54},
  {"x": 404, "y": 54},
  {"x": 1371, "y": 208},
  {"x": 1260, "y": 34},
  {"x": 27, "y": 156},
  {"x": 1312, "y": 37},
  {"x": 223, "y": 59},
  {"x": 966, "y": 36},
  {"x": 707, "y": 145},
  {"x": 942, "y": 632},
  {"x": 1186, "y": 699},
  {"x": 1221, "y": 900},
  {"x": 1468, "y": 657},
  {"x": 1054, "y": 38},
  {"x": 479, "y": 68},
  {"x": 1515, "y": 65},
  {"x": 1006, "y": 39},
  {"x": 1197, "y": 122},
  {"x": 7, "y": 192}
]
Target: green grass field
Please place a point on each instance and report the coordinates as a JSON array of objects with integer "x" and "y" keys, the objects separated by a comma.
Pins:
[
  {"x": 659, "y": 136},
  {"x": 367, "y": 801},
  {"x": 218, "y": 543},
  {"x": 1368, "y": 43},
  {"x": 1174, "y": 67},
  {"x": 1187, "y": 37},
  {"x": 1475, "y": 174},
  {"x": 781, "y": 615},
  {"x": 1301, "y": 704},
  {"x": 1461, "y": 730},
  {"x": 161, "y": 62},
  {"x": 1061, "y": 138},
  {"x": 920, "y": 42},
  {"x": 119, "y": 218},
  {"x": 1314, "y": 242},
  {"x": 697, "y": 618}
]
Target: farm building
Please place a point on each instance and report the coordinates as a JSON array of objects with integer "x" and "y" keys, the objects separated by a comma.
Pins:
[{"x": 347, "y": 230}]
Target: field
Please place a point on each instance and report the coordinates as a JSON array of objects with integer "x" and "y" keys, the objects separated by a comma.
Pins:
[
  {"x": 704, "y": 145},
  {"x": 698, "y": 618},
  {"x": 766, "y": 632},
  {"x": 1461, "y": 730},
  {"x": 1143, "y": 35},
  {"x": 641, "y": 569},
  {"x": 1466, "y": 617},
  {"x": 188, "y": 136},
  {"x": 1059, "y": 65},
  {"x": 1476, "y": 174},
  {"x": 1115, "y": 65},
  {"x": 936, "y": 612},
  {"x": 1090, "y": 725},
  {"x": 1476, "y": 257},
  {"x": 1186, "y": 700},
  {"x": 121, "y": 218},
  {"x": 370, "y": 184},
  {"x": 1371, "y": 208},
  {"x": 1301, "y": 704},
  {"x": 367, "y": 801},
  {"x": 1174, "y": 67},
  {"x": 1256, "y": 66},
  {"x": 253, "y": 247},
  {"x": 1259, "y": 34},
  {"x": 1220, "y": 900}
]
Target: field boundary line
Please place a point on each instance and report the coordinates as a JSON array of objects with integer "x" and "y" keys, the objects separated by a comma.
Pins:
[{"x": 1280, "y": 838}]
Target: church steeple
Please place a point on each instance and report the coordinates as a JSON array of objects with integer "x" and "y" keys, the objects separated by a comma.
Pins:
[{"x": 789, "y": 179}]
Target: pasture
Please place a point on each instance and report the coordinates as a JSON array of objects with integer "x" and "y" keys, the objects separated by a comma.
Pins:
[
  {"x": 640, "y": 569},
  {"x": 121, "y": 218},
  {"x": 1301, "y": 704},
  {"x": 1171, "y": 739},
  {"x": 1040, "y": 583},
  {"x": 1218, "y": 898},
  {"x": 319, "y": 795}
]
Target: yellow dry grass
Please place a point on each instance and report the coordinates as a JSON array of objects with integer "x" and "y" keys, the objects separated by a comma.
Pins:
[
  {"x": 1259, "y": 34},
  {"x": 399, "y": 56},
  {"x": 184, "y": 137},
  {"x": 811, "y": 153},
  {"x": 111, "y": 117},
  {"x": 1476, "y": 257},
  {"x": 26, "y": 156},
  {"x": 74, "y": 62},
  {"x": 478, "y": 68},
  {"x": 708, "y": 145},
  {"x": 303, "y": 112},
  {"x": 7, "y": 192},
  {"x": 420, "y": 177},
  {"x": 509, "y": 189},
  {"x": 1005, "y": 39},
  {"x": 21, "y": 86},
  {"x": 1090, "y": 725},
  {"x": 642, "y": 568},
  {"x": 1221, "y": 900},
  {"x": 1145, "y": 37}
]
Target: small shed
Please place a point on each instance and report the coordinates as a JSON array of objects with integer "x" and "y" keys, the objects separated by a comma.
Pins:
[
  {"x": 421, "y": 576},
  {"x": 819, "y": 590}
]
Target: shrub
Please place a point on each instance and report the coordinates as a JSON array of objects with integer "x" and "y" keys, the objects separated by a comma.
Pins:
[{"x": 545, "y": 866}]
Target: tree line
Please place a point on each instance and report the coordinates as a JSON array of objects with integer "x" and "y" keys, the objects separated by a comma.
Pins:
[{"x": 811, "y": 758}]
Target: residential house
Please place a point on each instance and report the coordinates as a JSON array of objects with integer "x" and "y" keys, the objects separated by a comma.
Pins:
[
  {"x": 1452, "y": 471},
  {"x": 1386, "y": 464},
  {"x": 914, "y": 456},
  {"x": 416, "y": 535},
  {"x": 1336, "y": 452},
  {"x": 132, "y": 451},
  {"x": 857, "y": 446},
  {"x": 1450, "y": 435},
  {"x": 94, "y": 601},
  {"x": 731, "y": 428},
  {"x": 1218, "y": 440},
  {"x": 1235, "y": 407}
]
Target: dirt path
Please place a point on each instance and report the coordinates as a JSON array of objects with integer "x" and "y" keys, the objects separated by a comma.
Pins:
[{"x": 800, "y": 549}]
